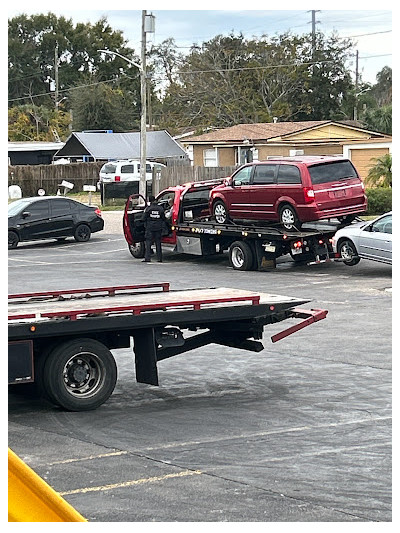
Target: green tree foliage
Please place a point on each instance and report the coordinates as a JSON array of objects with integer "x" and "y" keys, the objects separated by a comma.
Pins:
[
  {"x": 34, "y": 44},
  {"x": 380, "y": 175},
  {"x": 328, "y": 83},
  {"x": 37, "y": 123},
  {"x": 382, "y": 90},
  {"x": 226, "y": 81},
  {"x": 231, "y": 80},
  {"x": 376, "y": 103},
  {"x": 379, "y": 119},
  {"x": 98, "y": 106}
]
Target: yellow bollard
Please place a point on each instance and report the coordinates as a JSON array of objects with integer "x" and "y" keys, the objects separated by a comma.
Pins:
[{"x": 31, "y": 499}]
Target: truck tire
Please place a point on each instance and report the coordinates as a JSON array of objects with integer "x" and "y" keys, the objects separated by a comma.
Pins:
[
  {"x": 79, "y": 375},
  {"x": 288, "y": 217},
  {"x": 137, "y": 250},
  {"x": 241, "y": 256},
  {"x": 220, "y": 212},
  {"x": 82, "y": 233},
  {"x": 348, "y": 252},
  {"x": 13, "y": 239}
]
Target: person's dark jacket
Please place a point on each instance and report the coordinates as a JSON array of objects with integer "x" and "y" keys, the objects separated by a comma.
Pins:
[{"x": 154, "y": 217}]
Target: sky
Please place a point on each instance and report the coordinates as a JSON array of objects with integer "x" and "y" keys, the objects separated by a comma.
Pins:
[{"x": 369, "y": 27}]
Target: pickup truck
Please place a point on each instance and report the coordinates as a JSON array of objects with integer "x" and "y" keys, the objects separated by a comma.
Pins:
[{"x": 251, "y": 245}]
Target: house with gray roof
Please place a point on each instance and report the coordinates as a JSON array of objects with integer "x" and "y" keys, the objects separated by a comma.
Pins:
[{"x": 101, "y": 146}]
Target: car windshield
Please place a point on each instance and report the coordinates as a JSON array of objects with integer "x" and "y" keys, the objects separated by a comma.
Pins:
[
  {"x": 335, "y": 171},
  {"x": 16, "y": 207}
]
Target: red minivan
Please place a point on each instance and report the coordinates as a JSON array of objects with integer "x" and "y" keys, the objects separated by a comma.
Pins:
[{"x": 291, "y": 190}]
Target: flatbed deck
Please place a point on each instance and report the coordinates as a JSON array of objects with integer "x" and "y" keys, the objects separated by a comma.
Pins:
[
  {"x": 73, "y": 306},
  {"x": 257, "y": 229},
  {"x": 62, "y": 339}
]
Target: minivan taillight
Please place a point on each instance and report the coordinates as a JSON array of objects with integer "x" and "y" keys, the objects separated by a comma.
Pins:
[
  {"x": 309, "y": 194},
  {"x": 117, "y": 178}
]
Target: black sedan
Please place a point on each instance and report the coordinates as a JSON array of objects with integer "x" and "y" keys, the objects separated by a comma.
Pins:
[{"x": 51, "y": 217}]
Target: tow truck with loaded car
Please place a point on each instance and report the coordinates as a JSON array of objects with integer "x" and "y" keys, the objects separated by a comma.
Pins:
[
  {"x": 61, "y": 341},
  {"x": 251, "y": 245}
]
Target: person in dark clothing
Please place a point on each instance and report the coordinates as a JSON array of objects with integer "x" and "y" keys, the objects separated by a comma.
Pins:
[{"x": 154, "y": 220}]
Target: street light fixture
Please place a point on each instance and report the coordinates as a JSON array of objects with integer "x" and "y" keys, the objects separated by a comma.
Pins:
[{"x": 147, "y": 27}]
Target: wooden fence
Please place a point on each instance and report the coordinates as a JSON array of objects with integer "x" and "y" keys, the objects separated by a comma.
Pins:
[
  {"x": 49, "y": 177},
  {"x": 177, "y": 175}
]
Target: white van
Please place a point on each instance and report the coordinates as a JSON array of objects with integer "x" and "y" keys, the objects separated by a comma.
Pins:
[{"x": 126, "y": 170}]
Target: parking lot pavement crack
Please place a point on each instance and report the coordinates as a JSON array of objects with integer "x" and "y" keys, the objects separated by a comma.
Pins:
[
  {"x": 295, "y": 499},
  {"x": 339, "y": 362}
]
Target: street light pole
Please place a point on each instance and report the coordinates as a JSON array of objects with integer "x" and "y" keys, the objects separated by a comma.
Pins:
[
  {"x": 147, "y": 27},
  {"x": 142, "y": 183}
]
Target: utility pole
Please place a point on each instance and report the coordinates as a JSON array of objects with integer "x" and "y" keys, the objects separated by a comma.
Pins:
[
  {"x": 149, "y": 113},
  {"x": 147, "y": 27},
  {"x": 56, "y": 76},
  {"x": 355, "y": 112},
  {"x": 314, "y": 22},
  {"x": 142, "y": 183}
]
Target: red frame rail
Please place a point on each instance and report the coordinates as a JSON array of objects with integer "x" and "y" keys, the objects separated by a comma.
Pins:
[
  {"x": 309, "y": 315},
  {"x": 137, "y": 309},
  {"x": 110, "y": 290}
]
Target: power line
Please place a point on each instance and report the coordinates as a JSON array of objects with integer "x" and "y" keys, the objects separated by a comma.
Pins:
[
  {"x": 63, "y": 90},
  {"x": 216, "y": 70}
]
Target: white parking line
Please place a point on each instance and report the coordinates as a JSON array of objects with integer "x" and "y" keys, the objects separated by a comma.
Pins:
[
  {"x": 266, "y": 433},
  {"x": 88, "y": 458},
  {"x": 83, "y": 262},
  {"x": 132, "y": 483}
]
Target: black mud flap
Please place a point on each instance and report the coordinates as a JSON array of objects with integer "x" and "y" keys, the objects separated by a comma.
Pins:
[{"x": 145, "y": 349}]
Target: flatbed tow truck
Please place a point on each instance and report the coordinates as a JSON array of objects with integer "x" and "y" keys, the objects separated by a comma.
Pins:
[
  {"x": 250, "y": 245},
  {"x": 60, "y": 341},
  {"x": 256, "y": 246}
]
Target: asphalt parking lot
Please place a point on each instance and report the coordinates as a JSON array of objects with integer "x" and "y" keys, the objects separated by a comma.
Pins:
[{"x": 300, "y": 432}]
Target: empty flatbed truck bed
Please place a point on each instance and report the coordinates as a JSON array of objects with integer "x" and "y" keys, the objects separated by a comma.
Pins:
[{"x": 61, "y": 340}]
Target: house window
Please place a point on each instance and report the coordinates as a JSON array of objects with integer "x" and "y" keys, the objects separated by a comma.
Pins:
[
  {"x": 245, "y": 155},
  {"x": 210, "y": 158}
]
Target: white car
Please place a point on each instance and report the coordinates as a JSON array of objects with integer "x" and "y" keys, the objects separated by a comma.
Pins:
[{"x": 367, "y": 240}]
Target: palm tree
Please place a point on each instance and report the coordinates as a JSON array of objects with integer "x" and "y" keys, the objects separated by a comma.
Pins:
[{"x": 380, "y": 175}]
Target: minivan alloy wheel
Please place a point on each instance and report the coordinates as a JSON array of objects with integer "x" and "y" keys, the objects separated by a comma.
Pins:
[
  {"x": 220, "y": 213},
  {"x": 288, "y": 218}
]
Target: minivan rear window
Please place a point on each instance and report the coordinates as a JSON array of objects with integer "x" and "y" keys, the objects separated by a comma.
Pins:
[{"x": 334, "y": 171}]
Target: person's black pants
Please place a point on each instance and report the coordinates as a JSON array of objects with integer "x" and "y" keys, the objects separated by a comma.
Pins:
[{"x": 153, "y": 236}]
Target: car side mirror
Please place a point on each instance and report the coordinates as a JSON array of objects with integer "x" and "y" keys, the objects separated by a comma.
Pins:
[{"x": 26, "y": 214}]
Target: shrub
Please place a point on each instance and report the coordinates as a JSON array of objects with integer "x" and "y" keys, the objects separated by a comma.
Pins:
[
  {"x": 380, "y": 175},
  {"x": 379, "y": 200}
]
